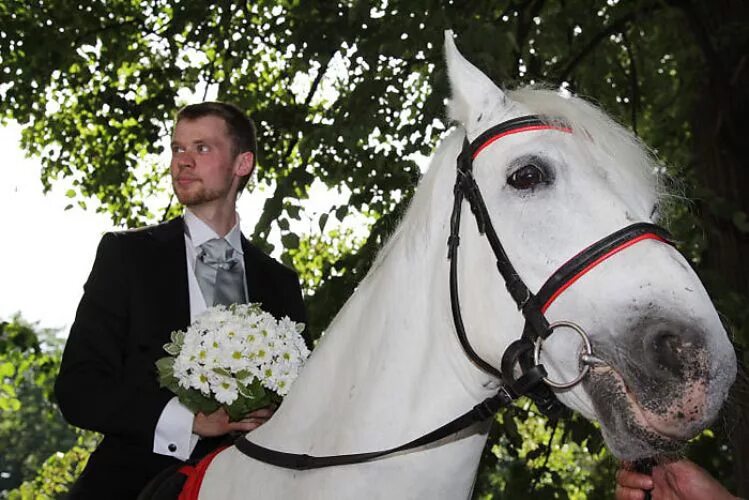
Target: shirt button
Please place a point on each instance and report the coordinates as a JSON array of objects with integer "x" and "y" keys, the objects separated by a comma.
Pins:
[{"x": 172, "y": 447}]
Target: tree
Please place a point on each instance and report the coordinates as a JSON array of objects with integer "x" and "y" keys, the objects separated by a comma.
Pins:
[
  {"x": 349, "y": 92},
  {"x": 56, "y": 475},
  {"x": 721, "y": 170},
  {"x": 31, "y": 427}
]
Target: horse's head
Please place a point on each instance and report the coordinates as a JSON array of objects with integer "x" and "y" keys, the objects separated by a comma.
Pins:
[{"x": 667, "y": 362}]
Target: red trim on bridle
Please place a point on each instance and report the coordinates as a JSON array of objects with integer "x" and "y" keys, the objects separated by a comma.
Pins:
[{"x": 529, "y": 128}]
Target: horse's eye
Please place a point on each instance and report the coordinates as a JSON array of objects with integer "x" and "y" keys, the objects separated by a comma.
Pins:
[{"x": 527, "y": 177}]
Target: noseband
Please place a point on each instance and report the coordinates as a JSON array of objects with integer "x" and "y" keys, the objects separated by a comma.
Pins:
[{"x": 525, "y": 352}]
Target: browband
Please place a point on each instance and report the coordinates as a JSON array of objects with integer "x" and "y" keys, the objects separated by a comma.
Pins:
[{"x": 514, "y": 126}]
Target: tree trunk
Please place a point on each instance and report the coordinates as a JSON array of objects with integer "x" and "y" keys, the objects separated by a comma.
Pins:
[{"x": 721, "y": 130}]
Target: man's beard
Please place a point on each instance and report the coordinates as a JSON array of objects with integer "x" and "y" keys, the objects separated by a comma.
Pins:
[{"x": 190, "y": 198}]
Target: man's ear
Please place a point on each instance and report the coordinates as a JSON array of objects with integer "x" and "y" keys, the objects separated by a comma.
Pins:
[{"x": 245, "y": 164}]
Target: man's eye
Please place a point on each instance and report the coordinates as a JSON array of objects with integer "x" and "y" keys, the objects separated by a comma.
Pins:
[
  {"x": 178, "y": 149},
  {"x": 527, "y": 177},
  {"x": 203, "y": 148}
]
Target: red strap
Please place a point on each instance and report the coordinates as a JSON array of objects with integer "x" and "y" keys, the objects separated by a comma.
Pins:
[
  {"x": 195, "y": 474},
  {"x": 528, "y": 128}
]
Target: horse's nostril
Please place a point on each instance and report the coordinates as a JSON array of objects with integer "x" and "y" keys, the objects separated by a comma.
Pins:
[{"x": 666, "y": 349}]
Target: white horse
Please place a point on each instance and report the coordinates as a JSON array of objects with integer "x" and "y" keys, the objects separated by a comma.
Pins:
[{"x": 390, "y": 369}]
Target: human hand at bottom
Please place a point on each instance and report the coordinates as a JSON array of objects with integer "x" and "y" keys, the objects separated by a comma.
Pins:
[
  {"x": 681, "y": 480},
  {"x": 218, "y": 423}
]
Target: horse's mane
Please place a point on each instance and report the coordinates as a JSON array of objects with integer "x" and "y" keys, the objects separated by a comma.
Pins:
[
  {"x": 420, "y": 216},
  {"x": 427, "y": 208}
]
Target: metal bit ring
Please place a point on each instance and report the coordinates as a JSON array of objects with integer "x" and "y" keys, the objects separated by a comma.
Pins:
[{"x": 588, "y": 352}]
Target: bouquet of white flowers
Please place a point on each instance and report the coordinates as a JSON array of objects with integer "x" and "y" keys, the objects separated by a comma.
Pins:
[{"x": 239, "y": 357}]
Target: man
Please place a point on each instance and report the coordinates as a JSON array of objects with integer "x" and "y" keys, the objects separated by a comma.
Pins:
[
  {"x": 151, "y": 281},
  {"x": 680, "y": 480}
]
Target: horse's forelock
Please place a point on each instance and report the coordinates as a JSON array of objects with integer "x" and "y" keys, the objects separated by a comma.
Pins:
[{"x": 634, "y": 159}]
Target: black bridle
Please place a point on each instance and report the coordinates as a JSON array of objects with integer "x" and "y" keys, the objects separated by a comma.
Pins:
[
  {"x": 532, "y": 306},
  {"x": 521, "y": 372}
]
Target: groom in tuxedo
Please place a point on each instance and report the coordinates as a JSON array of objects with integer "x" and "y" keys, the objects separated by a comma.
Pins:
[{"x": 148, "y": 282}]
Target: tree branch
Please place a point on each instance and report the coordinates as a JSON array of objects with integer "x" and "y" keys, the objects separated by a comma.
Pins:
[
  {"x": 634, "y": 84},
  {"x": 712, "y": 57},
  {"x": 107, "y": 27},
  {"x": 523, "y": 28},
  {"x": 617, "y": 26},
  {"x": 270, "y": 211}
]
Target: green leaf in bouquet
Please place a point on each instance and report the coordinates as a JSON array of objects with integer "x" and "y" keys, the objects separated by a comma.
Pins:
[
  {"x": 178, "y": 338},
  {"x": 175, "y": 346},
  {"x": 222, "y": 371},
  {"x": 192, "y": 398},
  {"x": 165, "y": 367},
  {"x": 241, "y": 407},
  {"x": 197, "y": 401},
  {"x": 253, "y": 391},
  {"x": 172, "y": 349},
  {"x": 252, "y": 397}
]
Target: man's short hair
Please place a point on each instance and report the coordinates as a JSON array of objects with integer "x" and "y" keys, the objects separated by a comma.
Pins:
[{"x": 240, "y": 126}]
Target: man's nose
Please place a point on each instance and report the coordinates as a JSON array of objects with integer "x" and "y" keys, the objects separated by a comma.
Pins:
[{"x": 184, "y": 159}]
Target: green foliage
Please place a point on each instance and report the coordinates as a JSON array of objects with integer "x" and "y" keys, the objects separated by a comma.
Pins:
[
  {"x": 316, "y": 256},
  {"x": 342, "y": 92},
  {"x": 31, "y": 427},
  {"x": 57, "y": 474},
  {"x": 530, "y": 457},
  {"x": 527, "y": 457},
  {"x": 320, "y": 258},
  {"x": 16, "y": 340},
  {"x": 349, "y": 92}
]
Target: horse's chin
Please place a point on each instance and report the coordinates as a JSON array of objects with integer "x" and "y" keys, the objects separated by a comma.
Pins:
[{"x": 631, "y": 430}]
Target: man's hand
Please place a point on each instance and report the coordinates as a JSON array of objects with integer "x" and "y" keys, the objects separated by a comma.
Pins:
[
  {"x": 682, "y": 480},
  {"x": 631, "y": 485},
  {"x": 218, "y": 424}
]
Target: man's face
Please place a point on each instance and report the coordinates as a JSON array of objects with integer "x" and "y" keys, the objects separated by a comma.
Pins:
[{"x": 203, "y": 167}]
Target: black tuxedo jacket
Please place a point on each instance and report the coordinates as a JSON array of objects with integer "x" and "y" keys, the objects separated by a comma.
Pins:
[{"x": 136, "y": 295}]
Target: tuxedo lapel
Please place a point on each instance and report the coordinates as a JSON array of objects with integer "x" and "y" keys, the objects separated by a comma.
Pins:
[
  {"x": 169, "y": 275},
  {"x": 252, "y": 272}
]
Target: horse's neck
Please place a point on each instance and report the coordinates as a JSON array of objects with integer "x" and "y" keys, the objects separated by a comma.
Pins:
[
  {"x": 383, "y": 370},
  {"x": 389, "y": 368}
]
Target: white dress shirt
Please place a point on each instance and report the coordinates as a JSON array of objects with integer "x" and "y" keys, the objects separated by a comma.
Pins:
[{"x": 174, "y": 434}]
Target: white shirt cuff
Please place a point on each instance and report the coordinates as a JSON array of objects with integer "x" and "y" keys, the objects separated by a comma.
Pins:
[{"x": 174, "y": 436}]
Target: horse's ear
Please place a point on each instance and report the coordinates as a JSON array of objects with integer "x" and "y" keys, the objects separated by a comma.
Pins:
[{"x": 473, "y": 93}]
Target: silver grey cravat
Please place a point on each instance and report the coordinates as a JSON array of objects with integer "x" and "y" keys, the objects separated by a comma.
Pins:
[{"x": 219, "y": 273}]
